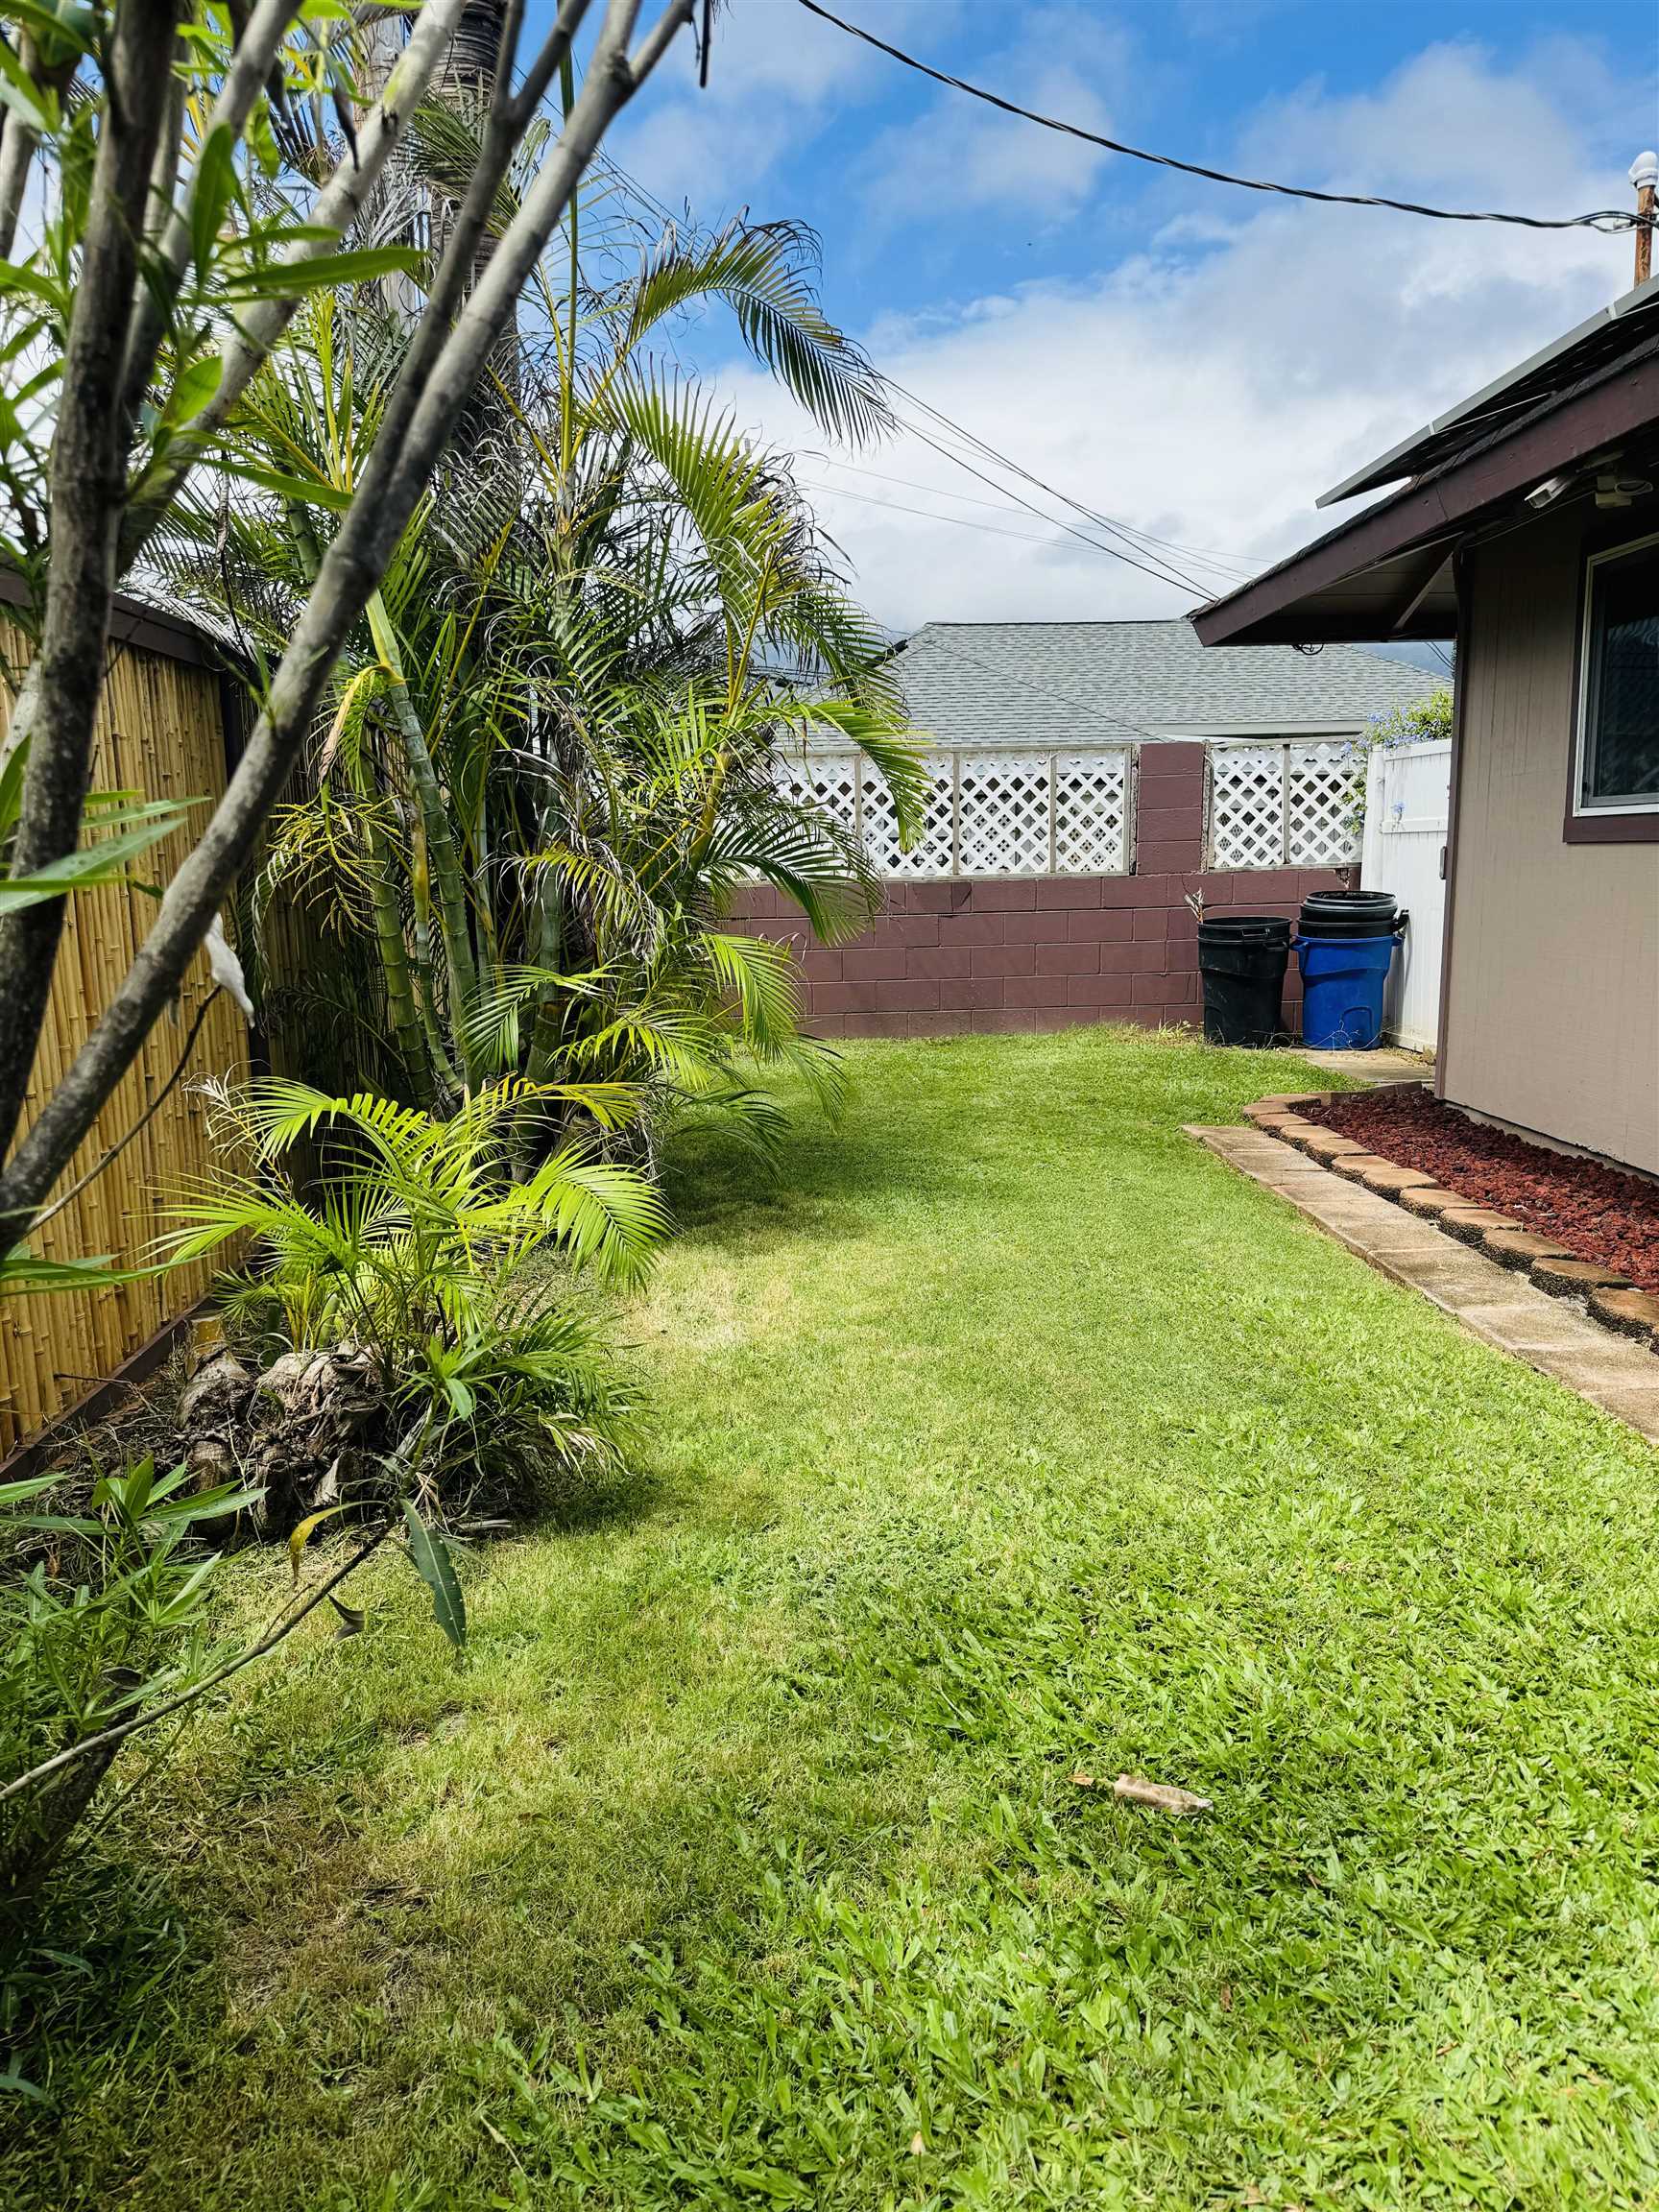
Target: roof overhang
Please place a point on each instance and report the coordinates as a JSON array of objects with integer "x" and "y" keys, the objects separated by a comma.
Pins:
[
  {"x": 170, "y": 635},
  {"x": 1386, "y": 573}
]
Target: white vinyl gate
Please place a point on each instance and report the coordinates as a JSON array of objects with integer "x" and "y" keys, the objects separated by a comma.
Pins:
[{"x": 1406, "y": 795}]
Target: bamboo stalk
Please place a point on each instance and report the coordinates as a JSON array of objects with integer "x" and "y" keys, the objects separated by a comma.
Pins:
[
  {"x": 448, "y": 881},
  {"x": 158, "y": 729}
]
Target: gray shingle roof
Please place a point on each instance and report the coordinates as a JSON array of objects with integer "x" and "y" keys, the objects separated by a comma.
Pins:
[{"x": 1045, "y": 683}]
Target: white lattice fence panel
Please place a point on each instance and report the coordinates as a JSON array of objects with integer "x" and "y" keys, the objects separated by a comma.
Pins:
[
  {"x": 1091, "y": 813},
  {"x": 986, "y": 813},
  {"x": 1246, "y": 805},
  {"x": 827, "y": 779},
  {"x": 1003, "y": 821},
  {"x": 1323, "y": 806},
  {"x": 931, "y": 853}
]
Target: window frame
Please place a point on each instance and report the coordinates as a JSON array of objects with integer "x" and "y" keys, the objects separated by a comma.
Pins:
[{"x": 1604, "y": 822}]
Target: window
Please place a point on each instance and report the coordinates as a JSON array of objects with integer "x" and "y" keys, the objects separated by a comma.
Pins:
[{"x": 1618, "y": 760}]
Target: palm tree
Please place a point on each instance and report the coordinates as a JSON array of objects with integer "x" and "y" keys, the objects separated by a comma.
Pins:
[{"x": 560, "y": 743}]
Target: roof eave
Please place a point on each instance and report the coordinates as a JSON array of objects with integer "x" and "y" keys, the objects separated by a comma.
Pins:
[{"x": 172, "y": 633}]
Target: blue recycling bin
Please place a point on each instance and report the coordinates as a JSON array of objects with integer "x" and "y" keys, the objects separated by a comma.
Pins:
[{"x": 1342, "y": 985}]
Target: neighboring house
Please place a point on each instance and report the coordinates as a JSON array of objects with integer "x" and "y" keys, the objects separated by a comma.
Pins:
[
  {"x": 1528, "y": 527},
  {"x": 1087, "y": 777}
]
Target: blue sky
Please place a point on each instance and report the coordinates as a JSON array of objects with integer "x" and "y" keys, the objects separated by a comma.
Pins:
[{"x": 1197, "y": 361}]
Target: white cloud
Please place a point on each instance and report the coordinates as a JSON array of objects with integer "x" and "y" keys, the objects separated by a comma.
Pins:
[
  {"x": 1209, "y": 387},
  {"x": 960, "y": 156},
  {"x": 776, "y": 76},
  {"x": 1445, "y": 126}
]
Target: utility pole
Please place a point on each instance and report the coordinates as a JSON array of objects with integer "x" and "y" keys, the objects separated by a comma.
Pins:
[{"x": 1645, "y": 176}]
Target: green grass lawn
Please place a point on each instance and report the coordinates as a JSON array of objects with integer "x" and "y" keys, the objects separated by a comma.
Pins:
[{"x": 743, "y": 1860}]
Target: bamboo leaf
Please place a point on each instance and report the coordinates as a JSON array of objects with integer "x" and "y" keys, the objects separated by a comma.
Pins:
[
  {"x": 14, "y": 1494},
  {"x": 22, "y": 1273},
  {"x": 195, "y": 387},
  {"x": 57, "y": 24},
  {"x": 12, "y": 787},
  {"x": 309, "y": 490},
  {"x": 18, "y": 91},
  {"x": 435, "y": 1566},
  {"x": 362, "y": 265},
  {"x": 215, "y": 182},
  {"x": 304, "y": 1532},
  {"x": 99, "y": 863}
]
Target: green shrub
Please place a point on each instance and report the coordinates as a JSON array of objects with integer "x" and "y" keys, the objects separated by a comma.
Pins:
[
  {"x": 1426, "y": 719},
  {"x": 415, "y": 1321},
  {"x": 102, "y": 1615}
]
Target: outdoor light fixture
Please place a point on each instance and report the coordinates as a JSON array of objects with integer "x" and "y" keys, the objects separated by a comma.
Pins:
[{"x": 1620, "y": 491}]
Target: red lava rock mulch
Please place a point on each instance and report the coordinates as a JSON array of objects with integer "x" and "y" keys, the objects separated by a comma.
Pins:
[{"x": 1594, "y": 1212}]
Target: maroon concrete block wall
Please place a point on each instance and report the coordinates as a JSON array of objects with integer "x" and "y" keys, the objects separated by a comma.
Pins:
[{"x": 1042, "y": 952}]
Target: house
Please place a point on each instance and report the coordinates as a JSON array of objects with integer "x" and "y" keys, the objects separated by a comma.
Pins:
[
  {"x": 1087, "y": 779},
  {"x": 1525, "y": 523}
]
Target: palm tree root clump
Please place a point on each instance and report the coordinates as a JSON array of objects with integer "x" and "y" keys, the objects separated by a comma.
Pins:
[{"x": 311, "y": 1430}]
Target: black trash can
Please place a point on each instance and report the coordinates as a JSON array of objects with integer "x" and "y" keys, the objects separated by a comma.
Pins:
[
  {"x": 1349, "y": 914},
  {"x": 1243, "y": 960}
]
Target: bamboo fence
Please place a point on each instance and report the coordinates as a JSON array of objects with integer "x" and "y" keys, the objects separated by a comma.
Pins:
[{"x": 161, "y": 732}]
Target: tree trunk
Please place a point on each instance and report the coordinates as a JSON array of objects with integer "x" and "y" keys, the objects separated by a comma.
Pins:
[
  {"x": 442, "y": 854},
  {"x": 40, "y": 1835},
  {"x": 88, "y": 486},
  {"x": 395, "y": 965}
]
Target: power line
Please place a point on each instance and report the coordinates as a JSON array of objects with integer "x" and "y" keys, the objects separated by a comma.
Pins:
[
  {"x": 928, "y": 514},
  {"x": 913, "y": 484},
  {"x": 962, "y": 521},
  {"x": 1102, "y": 522},
  {"x": 1162, "y": 571},
  {"x": 1217, "y": 561},
  {"x": 1606, "y": 219},
  {"x": 1028, "y": 682},
  {"x": 998, "y": 507}
]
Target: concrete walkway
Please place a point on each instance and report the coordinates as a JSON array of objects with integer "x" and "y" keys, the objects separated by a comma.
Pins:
[
  {"x": 1493, "y": 1301},
  {"x": 1387, "y": 1064}
]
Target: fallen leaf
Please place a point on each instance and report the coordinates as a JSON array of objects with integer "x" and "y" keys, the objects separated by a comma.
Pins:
[
  {"x": 918, "y": 2149},
  {"x": 1162, "y": 1796},
  {"x": 1226, "y": 1996},
  {"x": 1084, "y": 1781}
]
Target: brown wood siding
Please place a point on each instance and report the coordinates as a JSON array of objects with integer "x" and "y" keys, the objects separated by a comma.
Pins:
[
  {"x": 159, "y": 731},
  {"x": 1552, "y": 975}
]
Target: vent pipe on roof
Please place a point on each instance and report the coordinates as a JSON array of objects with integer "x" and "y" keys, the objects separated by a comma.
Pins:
[{"x": 1645, "y": 176}]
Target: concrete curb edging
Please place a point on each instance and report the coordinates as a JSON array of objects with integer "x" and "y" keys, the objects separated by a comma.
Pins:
[
  {"x": 1494, "y": 1302},
  {"x": 1612, "y": 1301}
]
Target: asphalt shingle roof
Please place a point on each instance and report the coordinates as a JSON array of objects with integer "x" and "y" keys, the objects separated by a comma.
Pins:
[{"x": 1047, "y": 683}]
